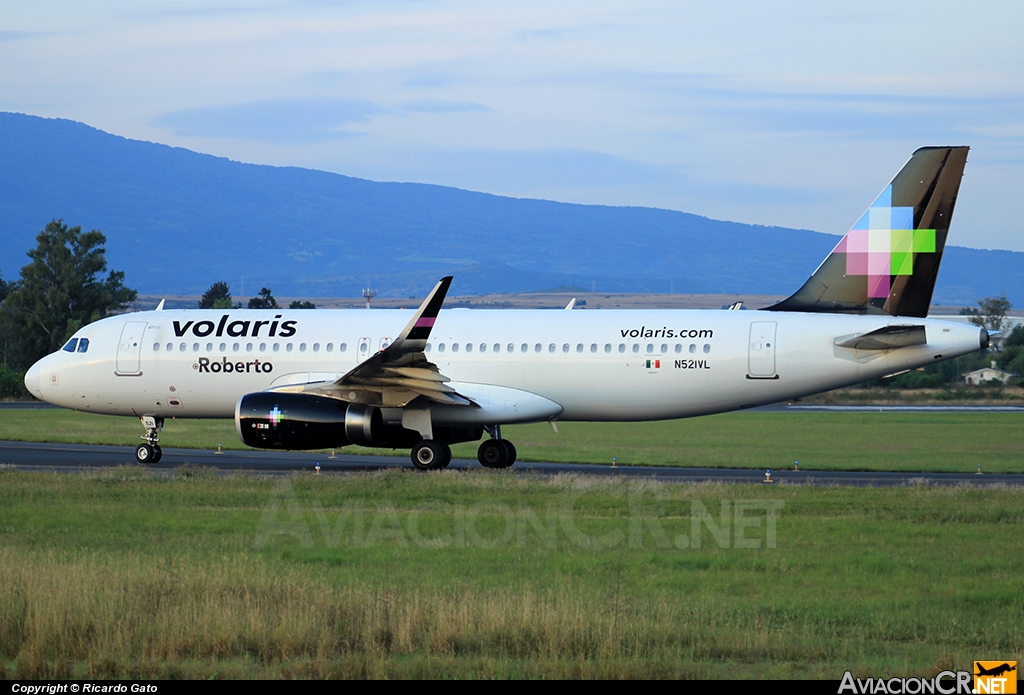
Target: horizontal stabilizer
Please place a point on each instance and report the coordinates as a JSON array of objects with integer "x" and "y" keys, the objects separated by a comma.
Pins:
[{"x": 885, "y": 338}]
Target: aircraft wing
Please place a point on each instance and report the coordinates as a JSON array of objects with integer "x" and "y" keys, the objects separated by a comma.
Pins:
[{"x": 399, "y": 373}]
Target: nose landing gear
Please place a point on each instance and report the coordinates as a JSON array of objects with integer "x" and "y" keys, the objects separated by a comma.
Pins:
[{"x": 150, "y": 452}]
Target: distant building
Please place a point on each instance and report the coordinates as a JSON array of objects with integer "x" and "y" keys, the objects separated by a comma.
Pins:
[{"x": 979, "y": 376}]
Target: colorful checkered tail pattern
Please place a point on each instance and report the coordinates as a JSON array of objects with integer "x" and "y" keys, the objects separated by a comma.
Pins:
[{"x": 888, "y": 262}]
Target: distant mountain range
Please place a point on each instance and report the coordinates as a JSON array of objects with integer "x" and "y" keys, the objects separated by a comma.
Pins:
[{"x": 177, "y": 221}]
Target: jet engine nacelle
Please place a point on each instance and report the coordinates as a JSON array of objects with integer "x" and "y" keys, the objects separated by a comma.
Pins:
[{"x": 270, "y": 420}]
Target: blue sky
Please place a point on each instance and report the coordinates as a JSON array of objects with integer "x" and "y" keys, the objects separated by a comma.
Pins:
[{"x": 793, "y": 114}]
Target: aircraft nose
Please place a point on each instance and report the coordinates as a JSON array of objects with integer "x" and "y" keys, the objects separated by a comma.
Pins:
[{"x": 32, "y": 381}]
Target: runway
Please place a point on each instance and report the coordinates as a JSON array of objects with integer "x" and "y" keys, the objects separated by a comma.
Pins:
[{"x": 76, "y": 458}]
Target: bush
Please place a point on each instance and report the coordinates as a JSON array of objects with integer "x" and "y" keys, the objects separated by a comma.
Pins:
[{"x": 12, "y": 383}]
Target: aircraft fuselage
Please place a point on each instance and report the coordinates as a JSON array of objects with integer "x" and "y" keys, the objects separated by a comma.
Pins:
[{"x": 593, "y": 365}]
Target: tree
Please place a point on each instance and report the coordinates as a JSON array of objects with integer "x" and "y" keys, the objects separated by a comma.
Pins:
[
  {"x": 265, "y": 300},
  {"x": 217, "y": 297},
  {"x": 61, "y": 290},
  {"x": 3, "y": 289},
  {"x": 302, "y": 305},
  {"x": 992, "y": 313},
  {"x": 1012, "y": 357}
]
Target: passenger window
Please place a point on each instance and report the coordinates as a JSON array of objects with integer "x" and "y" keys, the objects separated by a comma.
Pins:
[
  {"x": 209, "y": 347},
  {"x": 679, "y": 347},
  {"x": 636, "y": 347},
  {"x": 342, "y": 347},
  {"x": 607, "y": 347},
  {"x": 579, "y": 347},
  {"x": 263, "y": 347},
  {"x": 170, "y": 347},
  {"x": 497, "y": 347},
  {"x": 288, "y": 347},
  {"x": 316, "y": 347},
  {"x": 195, "y": 347},
  {"x": 650, "y": 348},
  {"x": 440, "y": 348},
  {"x": 302, "y": 347},
  {"x": 707, "y": 348},
  {"x": 622, "y": 347},
  {"x": 156, "y": 347},
  {"x": 181, "y": 348},
  {"x": 426, "y": 348},
  {"x": 551, "y": 347},
  {"x": 536, "y": 348},
  {"x": 693, "y": 348},
  {"x": 277, "y": 347},
  {"x": 330, "y": 347},
  {"x": 664, "y": 348},
  {"x": 248, "y": 347},
  {"x": 223, "y": 347},
  {"x": 593, "y": 347},
  {"x": 455, "y": 347},
  {"x": 70, "y": 347},
  {"x": 234, "y": 347},
  {"x": 565, "y": 347}
]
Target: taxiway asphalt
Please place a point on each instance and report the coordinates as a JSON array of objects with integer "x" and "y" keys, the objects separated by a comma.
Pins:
[{"x": 70, "y": 458}]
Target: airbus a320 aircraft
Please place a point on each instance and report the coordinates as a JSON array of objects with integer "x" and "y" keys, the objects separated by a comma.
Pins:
[{"x": 328, "y": 378}]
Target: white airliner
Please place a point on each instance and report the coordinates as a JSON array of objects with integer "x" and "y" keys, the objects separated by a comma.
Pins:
[{"x": 430, "y": 378}]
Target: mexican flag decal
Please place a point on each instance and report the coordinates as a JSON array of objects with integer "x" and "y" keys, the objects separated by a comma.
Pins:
[{"x": 653, "y": 364}]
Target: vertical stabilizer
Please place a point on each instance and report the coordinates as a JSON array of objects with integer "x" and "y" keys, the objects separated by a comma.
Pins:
[{"x": 888, "y": 262}]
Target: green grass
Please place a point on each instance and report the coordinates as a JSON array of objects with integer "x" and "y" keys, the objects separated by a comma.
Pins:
[
  {"x": 937, "y": 442},
  {"x": 486, "y": 574}
]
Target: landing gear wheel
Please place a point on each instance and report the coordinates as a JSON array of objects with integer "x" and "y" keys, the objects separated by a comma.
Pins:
[
  {"x": 447, "y": 457},
  {"x": 496, "y": 453},
  {"x": 144, "y": 453},
  {"x": 431, "y": 455},
  {"x": 150, "y": 452}
]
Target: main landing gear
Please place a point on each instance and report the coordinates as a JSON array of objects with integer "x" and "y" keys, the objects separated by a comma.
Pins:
[
  {"x": 431, "y": 455},
  {"x": 496, "y": 452},
  {"x": 150, "y": 452}
]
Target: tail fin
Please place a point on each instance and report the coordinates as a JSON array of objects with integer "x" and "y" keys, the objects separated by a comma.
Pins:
[{"x": 888, "y": 262}]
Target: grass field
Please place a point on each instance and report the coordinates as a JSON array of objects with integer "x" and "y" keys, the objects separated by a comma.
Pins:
[
  {"x": 124, "y": 573},
  {"x": 951, "y": 442}
]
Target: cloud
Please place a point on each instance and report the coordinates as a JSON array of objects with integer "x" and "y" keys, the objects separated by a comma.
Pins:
[
  {"x": 20, "y": 35},
  {"x": 434, "y": 105},
  {"x": 501, "y": 170},
  {"x": 431, "y": 80},
  {"x": 273, "y": 120},
  {"x": 528, "y": 34}
]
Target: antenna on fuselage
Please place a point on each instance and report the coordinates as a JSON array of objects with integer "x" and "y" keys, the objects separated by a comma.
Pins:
[{"x": 369, "y": 294}]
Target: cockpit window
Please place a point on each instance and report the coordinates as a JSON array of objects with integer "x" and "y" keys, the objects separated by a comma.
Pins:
[
  {"x": 83, "y": 345},
  {"x": 70, "y": 347}
]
